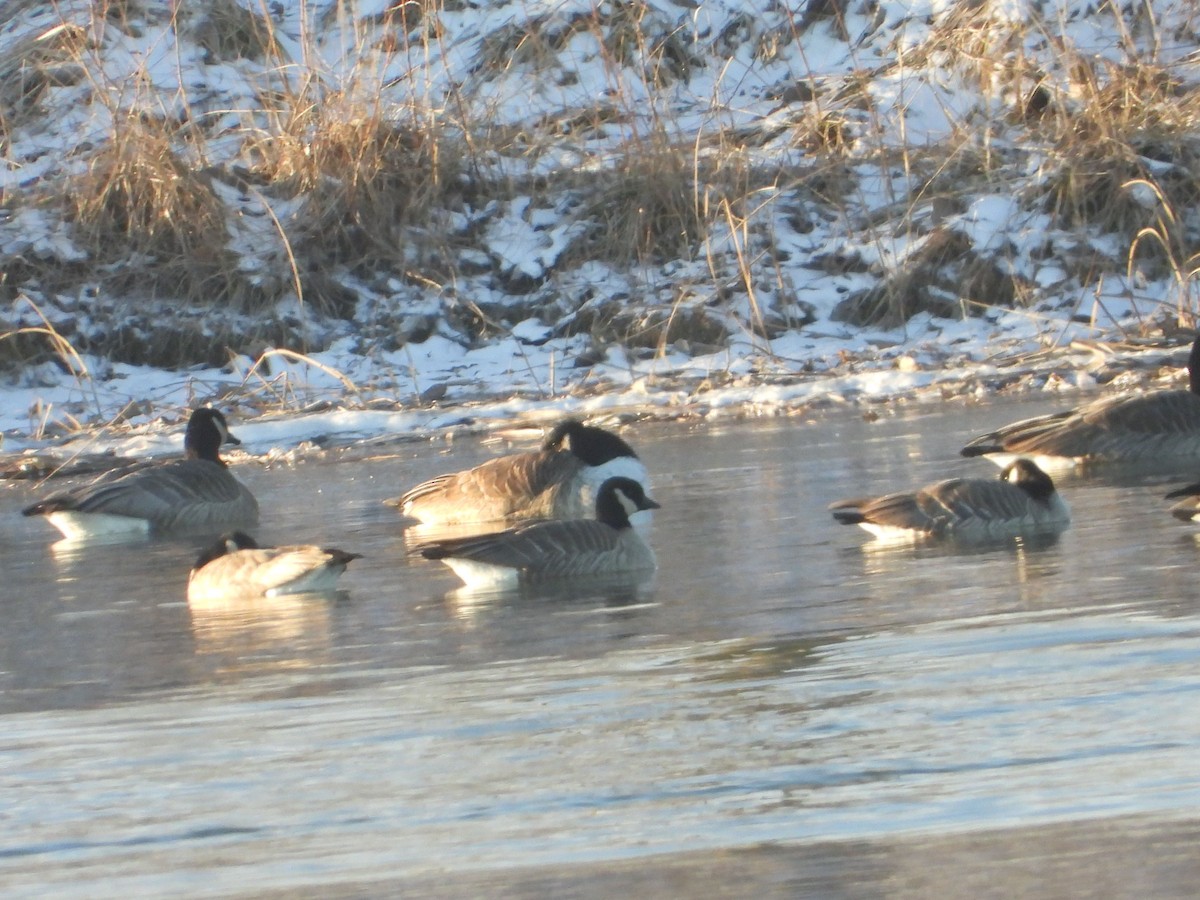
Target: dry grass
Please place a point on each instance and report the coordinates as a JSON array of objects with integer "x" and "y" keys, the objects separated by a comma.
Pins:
[
  {"x": 35, "y": 343},
  {"x": 629, "y": 35},
  {"x": 226, "y": 30},
  {"x": 1100, "y": 124},
  {"x": 1122, "y": 124},
  {"x": 945, "y": 276},
  {"x": 367, "y": 178},
  {"x": 140, "y": 200},
  {"x": 1116, "y": 149},
  {"x": 31, "y": 64},
  {"x": 1168, "y": 241},
  {"x": 351, "y": 184},
  {"x": 658, "y": 201}
]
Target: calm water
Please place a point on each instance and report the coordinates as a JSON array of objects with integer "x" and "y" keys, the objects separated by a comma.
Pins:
[{"x": 783, "y": 710}]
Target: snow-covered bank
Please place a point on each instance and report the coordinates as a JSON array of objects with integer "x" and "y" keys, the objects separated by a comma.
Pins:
[
  {"x": 722, "y": 208},
  {"x": 301, "y": 407}
]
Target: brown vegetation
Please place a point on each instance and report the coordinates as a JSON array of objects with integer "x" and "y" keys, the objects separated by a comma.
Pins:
[{"x": 346, "y": 187}]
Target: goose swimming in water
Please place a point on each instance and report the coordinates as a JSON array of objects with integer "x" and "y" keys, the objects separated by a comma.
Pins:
[
  {"x": 1129, "y": 428},
  {"x": 1021, "y": 501},
  {"x": 556, "y": 549},
  {"x": 196, "y": 493},
  {"x": 237, "y": 565},
  {"x": 558, "y": 481}
]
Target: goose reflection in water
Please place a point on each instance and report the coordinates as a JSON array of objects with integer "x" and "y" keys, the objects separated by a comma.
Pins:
[
  {"x": 610, "y": 596},
  {"x": 928, "y": 570},
  {"x": 257, "y": 635}
]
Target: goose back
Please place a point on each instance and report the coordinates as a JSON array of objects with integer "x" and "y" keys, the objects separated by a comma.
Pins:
[
  {"x": 236, "y": 565},
  {"x": 560, "y": 480},
  {"x": 524, "y": 485},
  {"x": 1130, "y": 428},
  {"x": 556, "y": 549},
  {"x": 1127, "y": 429},
  {"x": 543, "y": 551},
  {"x": 1023, "y": 500},
  {"x": 197, "y": 493}
]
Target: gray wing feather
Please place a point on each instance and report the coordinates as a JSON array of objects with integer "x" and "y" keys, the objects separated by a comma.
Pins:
[
  {"x": 1128, "y": 427},
  {"x": 189, "y": 492},
  {"x": 950, "y": 505},
  {"x": 523, "y": 485},
  {"x": 561, "y": 548}
]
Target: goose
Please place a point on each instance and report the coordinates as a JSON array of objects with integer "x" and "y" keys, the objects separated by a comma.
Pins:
[
  {"x": 237, "y": 565},
  {"x": 193, "y": 493},
  {"x": 1187, "y": 509},
  {"x": 1128, "y": 428},
  {"x": 554, "y": 549},
  {"x": 1021, "y": 501},
  {"x": 558, "y": 481}
]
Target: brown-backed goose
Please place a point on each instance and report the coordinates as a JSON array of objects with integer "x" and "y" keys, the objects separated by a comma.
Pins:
[
  {"x": 1129, "y": 428},
  {"x": 236, "y": 565},
  {"x": 558, "y": 481}
]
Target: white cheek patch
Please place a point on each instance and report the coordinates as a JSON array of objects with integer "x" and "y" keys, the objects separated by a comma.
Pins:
[{"x": 626, "y": 504}]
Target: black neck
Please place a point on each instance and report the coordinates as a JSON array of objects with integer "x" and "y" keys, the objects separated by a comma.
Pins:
[
  {"x": 593, "y": 446},
  {"x": 1033, "y": 481},
  {"x": 202, "y": 440},
  {"x": 610, "y": 511}
]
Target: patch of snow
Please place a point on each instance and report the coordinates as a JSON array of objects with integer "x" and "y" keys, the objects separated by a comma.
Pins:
[{"x": 741, "y": 61}]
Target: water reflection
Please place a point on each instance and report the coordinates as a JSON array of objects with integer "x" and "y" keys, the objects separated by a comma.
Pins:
[
  {"x": 256, "y": 635},
  {"x": 880, "y": 557},
  {"x": 746, "y": 661},
  {"x": 944, "y": 578},
  {"x": 1143, "y": 474},
  {"x": 610, "y": 593},
  {"x": 779, "y": 683},
  {"x": 97, "y": 570},
  {"x": 69, "y": 548}
]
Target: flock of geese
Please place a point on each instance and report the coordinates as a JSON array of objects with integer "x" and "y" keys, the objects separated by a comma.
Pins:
[
  {"x": 570, "y": 505},
  {"x": 1139, "y": 429}
]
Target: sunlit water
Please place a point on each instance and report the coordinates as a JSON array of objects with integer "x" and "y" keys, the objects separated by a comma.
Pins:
[{"x": 826, "y": 713}]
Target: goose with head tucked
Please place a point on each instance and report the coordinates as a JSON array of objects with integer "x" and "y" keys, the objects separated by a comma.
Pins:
[
  {"x": 1022, "y": 501},
  {"x": 559, "y": 481},
  {"x": 556, "y": 549},
  {"x": 1128, "y": 428},
  {"x": 196, "y": 493},
  {"x": 237, "y": 566}
]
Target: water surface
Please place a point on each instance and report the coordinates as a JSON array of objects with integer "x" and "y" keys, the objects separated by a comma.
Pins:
[{"x": 786, "y": 708}]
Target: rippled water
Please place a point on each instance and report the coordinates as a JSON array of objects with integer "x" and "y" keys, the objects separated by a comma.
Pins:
[{"x": 785, "y": 709}]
